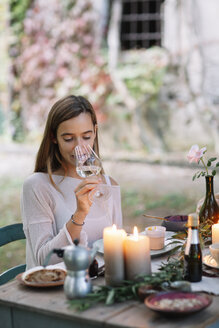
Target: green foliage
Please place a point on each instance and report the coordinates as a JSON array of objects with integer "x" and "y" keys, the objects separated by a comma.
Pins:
[
  {"x": 14, "y": 253},
  {"x": 18, "y": 9},
  {"x": 56, "y": 55},
  {"x": 135, "y": 203},
  {"x": 206, "y": 166},
  {"x": 10, "y": 200},
  {"x": 176, "y": 201},
  {"x": 143, "y": 71},
  {"x": 2, "y": 120},
  {"x": 169, "y": 272}
]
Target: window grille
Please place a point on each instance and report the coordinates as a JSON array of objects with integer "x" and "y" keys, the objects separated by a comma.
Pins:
[{"x": 141, "y": 24}]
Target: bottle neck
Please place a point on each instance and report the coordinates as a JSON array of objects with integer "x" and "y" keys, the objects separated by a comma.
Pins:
[
  {"x": 194, "y": 235},
  {"x": 209, "y": 185},
  {"x": 192, "y": 238}
]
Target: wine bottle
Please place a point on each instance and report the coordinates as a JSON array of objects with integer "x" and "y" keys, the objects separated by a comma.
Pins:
[
  {"x": 193, "y": 253},
  {"x": 209, "y": 210}
]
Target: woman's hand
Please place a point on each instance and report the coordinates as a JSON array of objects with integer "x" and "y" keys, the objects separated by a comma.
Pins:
[{"x": 82, "y": 194}]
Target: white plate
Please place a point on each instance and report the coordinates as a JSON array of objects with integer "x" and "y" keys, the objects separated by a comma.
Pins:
[
  {"x": 210, "y": 261},
  {"x": 154, "y": 253}
]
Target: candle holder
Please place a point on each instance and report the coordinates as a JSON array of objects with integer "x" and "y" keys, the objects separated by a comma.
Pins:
[
  {"x": 156, "y": 235},
  {"x": 214, "y": 250}
]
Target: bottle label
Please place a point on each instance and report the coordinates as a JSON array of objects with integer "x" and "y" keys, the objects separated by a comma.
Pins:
[
  {"x": 192, "y": 239},
  {"x": 195, "y": 237}
]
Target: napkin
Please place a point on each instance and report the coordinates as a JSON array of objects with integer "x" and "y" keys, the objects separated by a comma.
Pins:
[{"x": 208, "y": 285}]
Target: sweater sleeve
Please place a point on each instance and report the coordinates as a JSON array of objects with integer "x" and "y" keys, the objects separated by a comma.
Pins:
[{"x": 37, "y": 207}]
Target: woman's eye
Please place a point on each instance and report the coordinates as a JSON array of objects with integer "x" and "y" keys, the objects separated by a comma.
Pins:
[
  {"x": 86, "y": 138},
  {"x": 67, "y": 140}
]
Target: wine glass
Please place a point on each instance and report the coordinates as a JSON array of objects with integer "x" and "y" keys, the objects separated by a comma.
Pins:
[{"x": 89, "y": 164}]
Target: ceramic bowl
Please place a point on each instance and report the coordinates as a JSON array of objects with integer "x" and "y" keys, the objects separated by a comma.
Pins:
[
  {"x": 178, "y": 303},
  {"x": 214, "y": 250},
  {"x": 175, "y": 223}
]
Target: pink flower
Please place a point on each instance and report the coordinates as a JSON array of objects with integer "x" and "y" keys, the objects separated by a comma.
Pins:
[{"x": 195, "y": 154}]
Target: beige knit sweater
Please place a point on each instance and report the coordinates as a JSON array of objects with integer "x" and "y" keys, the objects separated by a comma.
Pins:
[{"x": 45, "y": 212}]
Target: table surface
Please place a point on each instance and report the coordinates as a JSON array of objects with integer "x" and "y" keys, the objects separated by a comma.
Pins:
[{"x": 22, "y": 306}]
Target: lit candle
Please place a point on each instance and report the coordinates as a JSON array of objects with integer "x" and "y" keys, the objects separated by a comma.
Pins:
[
  {"x": 215, "y": 233},
  {"x": 113, "y": 240},
  {"x": 137, "y": 255}
]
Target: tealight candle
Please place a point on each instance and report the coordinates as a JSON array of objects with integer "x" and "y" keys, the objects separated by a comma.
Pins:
[
  {"x": 113, "y": 240},
  {"x": 137, "y": 255},
  {"x": 157, "y": 236},
  {"x": 215, "y": 233}
]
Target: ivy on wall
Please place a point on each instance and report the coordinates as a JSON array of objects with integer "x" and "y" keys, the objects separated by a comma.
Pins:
[{"x": 55, "y": 55}]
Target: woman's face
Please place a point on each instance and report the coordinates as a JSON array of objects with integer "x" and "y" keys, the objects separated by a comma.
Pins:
[{"x": 78, "y": 130}]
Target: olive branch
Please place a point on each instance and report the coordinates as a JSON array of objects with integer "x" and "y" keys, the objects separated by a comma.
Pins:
[{"x": 168, "y": 272}]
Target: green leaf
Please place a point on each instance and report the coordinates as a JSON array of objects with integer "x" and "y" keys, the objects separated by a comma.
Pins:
[
  {"x": 217, "y": 164},
  {"x": 209, "y": 163},
  {"x": 110, "y": 297},
  {"x": 194, "y": 176},
  {"x": 174, "y": 250},
  {"x": 212, "y": 159},
  {"x": 214, "y": 172},
  {"x": 134, "y": 291},
  {"x": 179, "y": 235},
  {"x": 175, "y": 242}
]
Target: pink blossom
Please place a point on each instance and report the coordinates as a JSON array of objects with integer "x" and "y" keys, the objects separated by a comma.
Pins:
[{"x": 195, "y": 154}]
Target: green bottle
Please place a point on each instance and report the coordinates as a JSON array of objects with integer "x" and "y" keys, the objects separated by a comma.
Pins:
[
  {"x": 193, "y": 253},
  {"x": 209, "y": 209}
]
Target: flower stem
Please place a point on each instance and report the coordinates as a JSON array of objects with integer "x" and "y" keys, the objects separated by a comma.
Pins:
[{"x": 204, "y": 165}]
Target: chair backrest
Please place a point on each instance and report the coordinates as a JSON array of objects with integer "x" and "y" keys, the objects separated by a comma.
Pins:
[{"x": 8, "y": 234}]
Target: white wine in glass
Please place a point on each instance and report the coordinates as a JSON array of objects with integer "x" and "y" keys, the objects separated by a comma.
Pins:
[
  {"x": 89, "y": 164},
  {"x": 85, "y": 171}
]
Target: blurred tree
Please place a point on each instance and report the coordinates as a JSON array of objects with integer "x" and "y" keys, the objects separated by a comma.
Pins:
[
  {"x": 18, "y": 11},
  {"x": 57, "y": 56}
]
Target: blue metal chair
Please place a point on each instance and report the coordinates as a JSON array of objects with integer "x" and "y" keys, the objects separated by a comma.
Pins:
[{"x": 8, "y": 234}]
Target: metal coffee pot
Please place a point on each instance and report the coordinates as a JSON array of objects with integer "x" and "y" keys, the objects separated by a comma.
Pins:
[{"x": 77, "y": 259}]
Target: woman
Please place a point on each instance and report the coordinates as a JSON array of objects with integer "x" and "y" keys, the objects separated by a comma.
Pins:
[{"x": 55, "y": 203}]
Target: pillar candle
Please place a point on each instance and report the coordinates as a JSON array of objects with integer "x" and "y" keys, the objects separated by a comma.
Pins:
[
  {"x": 215, "y": 233},
  {"x": 113, "y": 240},
  {"x": 137, "y": 255}
]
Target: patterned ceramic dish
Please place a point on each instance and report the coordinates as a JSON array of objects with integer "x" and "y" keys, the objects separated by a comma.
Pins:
[{"x": 178, "y": 303}]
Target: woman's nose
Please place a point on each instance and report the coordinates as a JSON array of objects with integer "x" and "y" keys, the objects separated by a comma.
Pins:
[{"x": 80, "y": 142}]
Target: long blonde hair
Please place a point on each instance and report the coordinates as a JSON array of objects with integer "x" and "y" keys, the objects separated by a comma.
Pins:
[{"x": 49, "y": 158}]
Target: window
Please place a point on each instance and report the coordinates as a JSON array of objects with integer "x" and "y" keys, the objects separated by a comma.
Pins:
[{"x": 141, "y": 24}]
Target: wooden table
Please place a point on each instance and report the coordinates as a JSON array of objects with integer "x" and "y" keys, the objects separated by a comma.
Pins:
[{"x": 25, "y": 307}]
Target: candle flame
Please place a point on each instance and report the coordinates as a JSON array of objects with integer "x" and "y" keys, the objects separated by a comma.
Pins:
[
  {"x": 135, "y": 232},
  {"x": 114, "y": 228}
]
